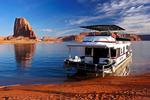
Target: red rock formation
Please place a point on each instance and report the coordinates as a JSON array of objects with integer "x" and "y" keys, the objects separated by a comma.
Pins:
[
  {"x": 132, "y": 37},
  {"x": 23, "y": 28},
  {"x": 68, "y": 38},
  {"x": 51, "y": 39},
  {"x": 79, "y": 37}
]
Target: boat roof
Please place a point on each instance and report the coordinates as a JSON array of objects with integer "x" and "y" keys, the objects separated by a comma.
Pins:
[
  {"x": 104, "y": 27},
  {"x": 115, "y": 45},
  {"x": 90, "y": 45}
]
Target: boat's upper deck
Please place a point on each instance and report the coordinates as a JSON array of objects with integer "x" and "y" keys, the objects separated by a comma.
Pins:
[
  {"x": 101, "y": 41},
  {"x": 104, "y": 38}
]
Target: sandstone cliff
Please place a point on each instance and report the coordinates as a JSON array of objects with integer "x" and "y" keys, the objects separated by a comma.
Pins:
[
  {"x": 23, "y": 28},
  {"x": 77, "y": 38}
]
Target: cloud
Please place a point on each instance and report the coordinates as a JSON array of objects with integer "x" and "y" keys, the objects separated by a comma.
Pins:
[
  {"x": 137, "y": 23},
  {"x": 85, "y": 19},
  {"x": 45, "y": 30},
  {"x": 131, "y": 14},
  {"x": 59, "y": 32},
  {"x": 67, "y": 31}
]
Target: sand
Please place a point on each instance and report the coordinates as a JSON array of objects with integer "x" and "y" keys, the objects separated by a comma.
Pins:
[{"x": 107, "y": 88}]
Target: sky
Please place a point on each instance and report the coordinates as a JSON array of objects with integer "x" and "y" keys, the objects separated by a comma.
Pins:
[{"x": 63, "y": 17}]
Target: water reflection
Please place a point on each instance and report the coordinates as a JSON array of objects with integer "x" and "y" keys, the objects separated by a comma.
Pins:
[{"x": 24, "y": 54}]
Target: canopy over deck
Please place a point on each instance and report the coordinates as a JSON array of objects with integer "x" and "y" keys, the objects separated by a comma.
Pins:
[
  {"x": 104, "y": 27},
  {"x": 95, "y": 45},
  {"x": 116, "y": 44}
]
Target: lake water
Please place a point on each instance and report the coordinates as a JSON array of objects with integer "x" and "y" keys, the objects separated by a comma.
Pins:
[{"x": 43, "y": 63}]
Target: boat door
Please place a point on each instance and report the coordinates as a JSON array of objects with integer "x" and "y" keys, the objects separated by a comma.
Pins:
[{"x": 99, "y": 53}]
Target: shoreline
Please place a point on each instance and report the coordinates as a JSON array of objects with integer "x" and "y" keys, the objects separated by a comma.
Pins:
[
  {"x": 26, "y": 42},
  {"x": 135, "y": 87},
  {"x": 30, "y": 41}
]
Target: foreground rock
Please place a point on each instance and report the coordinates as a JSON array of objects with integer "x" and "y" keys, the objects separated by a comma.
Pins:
[{"x": 23, "y": 28}]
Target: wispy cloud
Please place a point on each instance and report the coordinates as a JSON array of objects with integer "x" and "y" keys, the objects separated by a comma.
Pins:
[
  {"x": 64, "y": 31},
  {"x": 85, "y": 19},
  {"x": 45, "y": 30},
  {"x": 133, "y": 15},
  {"x": 117, "y": 5},
  {"x": 68, "y": 31},
  {"x": 59, "y": 32}
]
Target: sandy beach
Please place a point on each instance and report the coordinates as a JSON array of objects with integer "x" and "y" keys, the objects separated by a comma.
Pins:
[{"x": 108, "y": 88}]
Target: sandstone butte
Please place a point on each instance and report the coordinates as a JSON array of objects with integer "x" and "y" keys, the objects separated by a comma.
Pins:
[
  {"x": 23, "y": 28},
  {"x": 23, "y": 33}
]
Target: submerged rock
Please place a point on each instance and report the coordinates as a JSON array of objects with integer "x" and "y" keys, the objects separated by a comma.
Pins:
[{"x": 23, "y": 28}]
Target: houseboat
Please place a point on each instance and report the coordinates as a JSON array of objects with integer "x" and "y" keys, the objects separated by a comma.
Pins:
[{"x": 103, "y": 53}]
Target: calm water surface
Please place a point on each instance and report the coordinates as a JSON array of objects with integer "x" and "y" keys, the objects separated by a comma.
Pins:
[{"x": 43, "y": 63}]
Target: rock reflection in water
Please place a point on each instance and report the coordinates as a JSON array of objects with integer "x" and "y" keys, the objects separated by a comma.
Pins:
[
  {"x": 24, "y": 54},
  {"x": 123, "y": 70}
]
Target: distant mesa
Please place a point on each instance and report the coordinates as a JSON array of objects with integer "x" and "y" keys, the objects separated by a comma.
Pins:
[
  {"x": 23, "y": 28},
  {"x": 79, "y": 37}
]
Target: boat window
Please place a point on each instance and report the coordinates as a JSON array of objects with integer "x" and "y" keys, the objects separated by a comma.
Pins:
[
  {"x": 123, "y": 49},
  {"x": 101, "y": 52},
  {"x": 104, "y": 52},
  {"x": 88, "y": 51},
  {"x": 118, "y": 52},
  {"x": 113, "y": 52}
]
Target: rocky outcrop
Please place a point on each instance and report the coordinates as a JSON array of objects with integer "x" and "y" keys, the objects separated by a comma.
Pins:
[
  {"x": 131, "y": 37},
  {"x": 23, "y": 28},
  {"x": 67, "y": 38},
  {"x": 51, "y": 39},
  {"x": 79, "y": 37}
]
